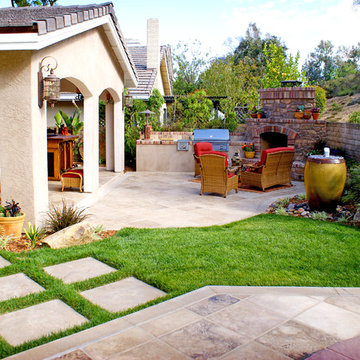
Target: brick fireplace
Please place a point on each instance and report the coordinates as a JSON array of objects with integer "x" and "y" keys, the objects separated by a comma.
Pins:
[{"x": 280, "y": 128}]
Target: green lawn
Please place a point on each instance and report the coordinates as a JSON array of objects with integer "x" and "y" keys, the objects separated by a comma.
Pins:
[{"x": 263, "y": 250}]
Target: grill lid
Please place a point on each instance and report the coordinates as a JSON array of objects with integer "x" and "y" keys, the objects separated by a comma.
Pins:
[{"x": 211, "y": 135}]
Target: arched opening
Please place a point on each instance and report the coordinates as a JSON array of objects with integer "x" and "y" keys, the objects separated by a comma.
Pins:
[{"x": 270, "y": 140}]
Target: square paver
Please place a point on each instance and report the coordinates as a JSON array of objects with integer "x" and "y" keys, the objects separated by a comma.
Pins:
[
  {"x": 3, "y": 262},
  {"x": 204, "y": 340},
  {"x": 17, "y": 285},
  {"x": 79, "y": 270},
  {"x": 246, "y": 318},
  {"x": 296, "y": 340},
  {"x": 212, "y": 304},
  {"x": 284, "y": 304},
  {"x": 122, "y": 295},
  {"x": 331, "y": 319},
  {"x": 39, "y": 320}
]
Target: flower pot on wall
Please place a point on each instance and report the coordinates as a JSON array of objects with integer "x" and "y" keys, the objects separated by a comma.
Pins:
[
  {"x": 12, "y": 225},
  {"x": 249, "y": 154},
  {"x": 307, "y": 114},
  {"x": 315, "y": 116},
  {"x": 298, "y": 114}
]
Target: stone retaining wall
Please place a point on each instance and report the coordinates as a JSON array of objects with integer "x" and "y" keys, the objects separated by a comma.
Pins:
[{"x": 345, "y": 136}]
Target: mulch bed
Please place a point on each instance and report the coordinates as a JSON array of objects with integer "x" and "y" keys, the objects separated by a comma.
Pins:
[{"x": 23, "y": 244}]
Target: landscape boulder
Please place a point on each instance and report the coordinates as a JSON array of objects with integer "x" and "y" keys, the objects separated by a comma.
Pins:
[{"x": 78, "y": 234}]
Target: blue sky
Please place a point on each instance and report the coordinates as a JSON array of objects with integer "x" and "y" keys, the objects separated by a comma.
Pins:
[{"x": 300, "y": 23}]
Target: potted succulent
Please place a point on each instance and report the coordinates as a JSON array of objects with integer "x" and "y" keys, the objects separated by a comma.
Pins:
[
  {"x": 11, "y": 219},
  {"x": 315, "y": 111},
  {"x": 299, "y": 112},
  {"x": 249, "y": 150}
]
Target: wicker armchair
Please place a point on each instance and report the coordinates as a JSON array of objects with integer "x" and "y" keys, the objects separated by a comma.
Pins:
[
  {"x": 215, "y": 176},
  {"x": 273, "y": 169}
]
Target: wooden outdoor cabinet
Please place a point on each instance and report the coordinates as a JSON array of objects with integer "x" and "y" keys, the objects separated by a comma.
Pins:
[{"x": 60, "y": 154}]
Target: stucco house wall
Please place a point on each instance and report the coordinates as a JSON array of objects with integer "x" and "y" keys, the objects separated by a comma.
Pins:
[{"x": 89, "y": 62}]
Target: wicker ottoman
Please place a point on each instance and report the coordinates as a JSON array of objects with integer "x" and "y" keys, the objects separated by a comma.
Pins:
[{"x": 72, "y": 178}]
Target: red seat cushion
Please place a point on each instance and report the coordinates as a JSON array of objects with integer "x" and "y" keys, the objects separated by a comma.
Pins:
[
  {"x": 70, "y": 173},
  {"x": 199, "y": 148},
  {"x": 230, "y": 175}
]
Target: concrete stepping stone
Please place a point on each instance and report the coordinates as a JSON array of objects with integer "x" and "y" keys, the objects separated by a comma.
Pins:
[
  {"x": 3, "y": 262},
  {"x": 39, "y": 320},
  {"x": 122, "y": 295},
  {"x": 17, "y": 285},
  {"x": 79, "y": 270}
]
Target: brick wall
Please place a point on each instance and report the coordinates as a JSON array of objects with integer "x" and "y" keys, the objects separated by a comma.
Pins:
[
  {"x": 282, "y": 102},
  {"x": 345, "y": 136}
]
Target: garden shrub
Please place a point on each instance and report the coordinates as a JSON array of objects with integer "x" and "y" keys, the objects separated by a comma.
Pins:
[
  {"x": 62, "y": 216},
  {"x": 352, "y": 187},
  {"x": 320, "y": 98},
  {"x": 354, "y": 117}
]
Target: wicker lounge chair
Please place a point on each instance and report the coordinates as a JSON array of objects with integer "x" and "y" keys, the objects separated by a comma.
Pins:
[
  {"x": 215, "y": 176},
  {"x": 273, "y": 169},
  {"x": 72, "y": 178}
]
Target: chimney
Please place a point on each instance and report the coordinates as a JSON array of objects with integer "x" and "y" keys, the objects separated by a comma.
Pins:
[{"x": 153, "y": 45}]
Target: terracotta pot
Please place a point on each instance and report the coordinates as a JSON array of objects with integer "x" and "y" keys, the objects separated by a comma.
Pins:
[
  {"x": 298, "y": 114},
  {"x": 12, "y": 225},
  {"x": 249, "y": 154},
  {"x": 324, "y": 180},
  {"x": 307, "y": 115},
  {"x": 315, "y": 116},
  {"x": 258, "y": 116}
]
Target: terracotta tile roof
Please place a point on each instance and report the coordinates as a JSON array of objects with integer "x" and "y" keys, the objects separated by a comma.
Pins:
[
  {"x": 147, "y": 76},
  {"x": 45, "y": 19}
]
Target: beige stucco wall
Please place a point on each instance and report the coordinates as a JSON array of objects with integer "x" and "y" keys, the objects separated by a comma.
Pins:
[
  {"x": 164, "y": 158},
  {"x": 88, "y": 61},
  {"x": 16, "y": 135}
]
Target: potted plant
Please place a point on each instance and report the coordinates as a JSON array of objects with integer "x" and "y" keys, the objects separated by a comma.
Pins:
[
  {"x": 315, "y": 111},
  {"x": 11, "y": 219},
  {"x": 253, "y": 113},
  {"x": 260, "y": 114},
  {"x": 307, "y": 114},
  {"x": 249, "y": 150},
  {"x": 299, "y": 112}
]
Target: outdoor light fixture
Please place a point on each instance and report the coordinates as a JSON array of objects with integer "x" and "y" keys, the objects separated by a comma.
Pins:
[
  {"x": 49, "y": 86},
  {"x": 127, "y": 101}
]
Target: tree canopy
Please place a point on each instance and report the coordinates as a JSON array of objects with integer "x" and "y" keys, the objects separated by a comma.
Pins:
[{"x": 23, "y": 3}]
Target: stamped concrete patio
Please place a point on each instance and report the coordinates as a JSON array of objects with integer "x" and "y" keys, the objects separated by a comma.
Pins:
[{"x": 152, "y": 200}]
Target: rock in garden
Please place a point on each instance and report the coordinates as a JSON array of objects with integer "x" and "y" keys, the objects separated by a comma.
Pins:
[
  {"x": 291, "y": 206},
  {"x": 78, "y": 234},
  {"x": 357, "y": 215}
]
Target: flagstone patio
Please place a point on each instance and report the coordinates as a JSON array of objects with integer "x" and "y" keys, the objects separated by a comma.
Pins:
[{"x": 158, "y": 200}]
